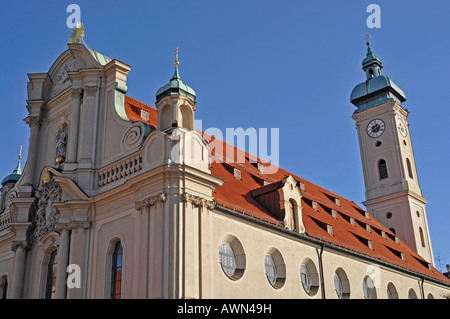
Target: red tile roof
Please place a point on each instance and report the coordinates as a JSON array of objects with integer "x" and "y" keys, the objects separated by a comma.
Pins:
[
  {"x": 133, "y": 109},
  {"x": 236, "y": 194}
]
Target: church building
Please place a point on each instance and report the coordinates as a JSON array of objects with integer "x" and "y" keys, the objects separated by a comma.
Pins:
[{"x": 119, "y": 199}]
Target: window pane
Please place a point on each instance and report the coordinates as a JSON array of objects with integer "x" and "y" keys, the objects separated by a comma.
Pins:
[
  {"x": 389, "y": 293},
  {"x": 271, "y": 270},
  {"x": 116, "y": 272},
  {"x": 368, "y": 287},
  {"x": 51, "y": 275},
  {"x": 227, "y": 259},
  {"x": 338, "y": 285},
  {"x": 305, "y": 277},
  {"x": 4, "y": 284}
]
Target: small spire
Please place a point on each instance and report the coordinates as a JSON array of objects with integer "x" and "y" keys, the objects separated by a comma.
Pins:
[
  {"x": 369, "y": 49},
  {"x": 177, "y": 51},
  {"x": 371, "y": 64},
  {"x": 18, "y": 169},
  {"x": 176, "y": 75}
]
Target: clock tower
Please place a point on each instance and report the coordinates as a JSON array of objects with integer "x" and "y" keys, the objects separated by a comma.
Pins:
[{"x": 393, "y": 194}]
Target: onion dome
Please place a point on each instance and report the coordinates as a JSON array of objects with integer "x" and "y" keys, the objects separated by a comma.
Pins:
[
  {"x": 176, "y": 87},
  {"x": 378, "y": 88},
  {"x": 11, "y": 179}
]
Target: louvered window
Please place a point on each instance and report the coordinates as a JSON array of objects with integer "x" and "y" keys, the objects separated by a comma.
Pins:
[{"x": 382, "y": 169}]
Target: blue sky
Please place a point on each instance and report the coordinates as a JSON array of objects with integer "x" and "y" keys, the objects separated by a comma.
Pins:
[{"x": 264, "y": 64}]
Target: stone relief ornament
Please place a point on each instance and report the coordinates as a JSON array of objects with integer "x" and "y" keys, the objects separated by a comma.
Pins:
[
  {"x": 133, "y": 137},
  {"x": 61, "y": 144},
  {"x": 61, "y": 80},
  {"x": 47, "y": 215}
]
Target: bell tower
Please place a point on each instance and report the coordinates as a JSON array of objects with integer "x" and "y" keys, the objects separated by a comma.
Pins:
[
  {"x": 175, "y": 103},
  {"x": 393, "y": 194}
]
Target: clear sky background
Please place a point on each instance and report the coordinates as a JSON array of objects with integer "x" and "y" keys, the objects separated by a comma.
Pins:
[{"x": 264, "y": 64}]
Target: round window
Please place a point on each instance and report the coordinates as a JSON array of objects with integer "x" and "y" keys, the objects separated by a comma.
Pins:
[
  {"x": 227, "y": 260},
  {"x": 271, "y": 270}
]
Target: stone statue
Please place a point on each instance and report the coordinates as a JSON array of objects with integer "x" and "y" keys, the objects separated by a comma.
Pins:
[
  {"x": 46, "y": 214},
  {"x": 61, "y": 145}
]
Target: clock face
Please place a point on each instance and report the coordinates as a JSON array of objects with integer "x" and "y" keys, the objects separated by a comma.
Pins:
[
  {"x": 402, "y": 127},
  {"x": 375, "y": 128}
]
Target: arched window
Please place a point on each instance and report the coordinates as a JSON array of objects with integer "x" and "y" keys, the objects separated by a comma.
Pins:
[
  {"x": 412, "y": 294},
  {"x": 382, "y": 169},
  {"x": 116, "y": 271},
  {"x": 293, "y": 215},
  {"x": 51, "y": 275},
  {"x": 391, "y": 292},
  {"x": 185, "y": 117},
  {"x": 408, "y": 164},
  {"x": 3, "y": 286},
  {"x": 166, "y": 117},
  {"x": 422, "y": 238},
  {"x": 369, "y": 288}
]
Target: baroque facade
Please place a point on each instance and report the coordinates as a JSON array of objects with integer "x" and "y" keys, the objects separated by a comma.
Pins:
[{"x": 144, "y": 205}]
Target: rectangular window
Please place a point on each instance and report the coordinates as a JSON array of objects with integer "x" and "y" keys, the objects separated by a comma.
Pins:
[
  {"x": 382, "y": 169},
  {"x": 144, "y": 115},
  {"x": 116, "y": 272}
]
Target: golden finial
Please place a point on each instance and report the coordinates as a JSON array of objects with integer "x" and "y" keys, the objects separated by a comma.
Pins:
[
  {"x": 20, "y": 153},
  {"x": 77, "y": 34},
  {"x": 176, "y": 56}
]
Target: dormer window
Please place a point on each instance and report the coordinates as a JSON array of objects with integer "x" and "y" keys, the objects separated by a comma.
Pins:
[
  {"x": 261, "y": 168},
  {"x": 330, "y": 230},
  {"x": 237, "y": 173},
  {"x": 144, "y": 115},
  {"x": 334, "y": 214}
]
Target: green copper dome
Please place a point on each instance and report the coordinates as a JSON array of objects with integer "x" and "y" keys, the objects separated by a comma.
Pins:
[
  {"x": 176, "y": 87},
  {"x": 11, "y": 179},
  {"x": 377, "y": 89}
]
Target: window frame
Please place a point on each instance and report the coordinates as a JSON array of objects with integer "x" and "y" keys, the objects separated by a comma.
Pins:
[
  {"x": 115, "y": 277},
  {"x": 279, "y": 268},
  {"x": 382, "y": 169},
  {"x": 312, "y": 286},
  {"x": 50, "y": 277},
  {"x": 3, "y": 286},
  {"x": 227, "y": 260}
]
